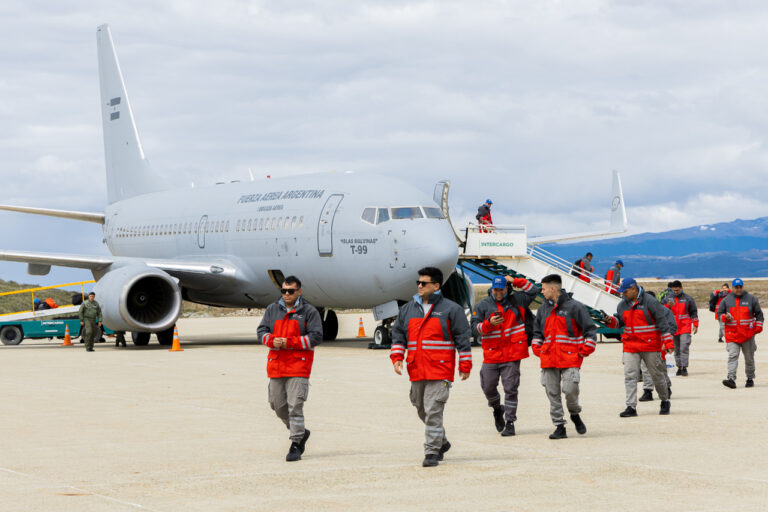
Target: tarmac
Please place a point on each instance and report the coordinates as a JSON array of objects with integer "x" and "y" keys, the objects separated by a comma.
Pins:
[{"x": 148, "y": 429}]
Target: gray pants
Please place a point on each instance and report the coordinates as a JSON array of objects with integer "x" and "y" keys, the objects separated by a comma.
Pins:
[
  {"x": 682, "y": 349},
  {"x": 510, "y": 381},
  {"x": 565, "y": 381},
  {"x": 647, "y": 380},
  {"x": 721, "y": 333},
  {"x": 286, "y": 397},
  {"x": 429, "y": 398},
  {"x": 655, "y": 367},
  {"x": 748, "y": 349}
]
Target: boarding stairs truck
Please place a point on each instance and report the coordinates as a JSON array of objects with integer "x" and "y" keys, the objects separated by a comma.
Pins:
[{"x": 42, "y": 323}]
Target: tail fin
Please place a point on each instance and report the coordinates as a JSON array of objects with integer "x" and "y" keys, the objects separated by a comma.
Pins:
[
  {"x": 128, "y": 172},
  {"x": 618, "y": 212}
]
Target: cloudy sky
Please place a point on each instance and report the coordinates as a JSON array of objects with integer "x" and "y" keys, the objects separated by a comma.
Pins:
[{"x": 529, "y": 103}]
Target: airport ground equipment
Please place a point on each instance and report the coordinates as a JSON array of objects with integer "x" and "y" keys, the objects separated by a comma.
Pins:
[{"x": 43, "y": 323}]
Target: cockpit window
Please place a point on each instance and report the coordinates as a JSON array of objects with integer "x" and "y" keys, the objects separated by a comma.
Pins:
[
  {"x": 383, "y": 215},
  {"x": 433, "y": 213},
  {"x": 369, "y": 215},
  {"x": 407, "y": 212}
]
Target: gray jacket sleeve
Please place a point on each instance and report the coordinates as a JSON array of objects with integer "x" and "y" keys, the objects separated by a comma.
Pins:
[
  {"x": 525, "y": 298},
  {"x": 265, "y": 327},
  {"x": 694, "y": 311},
  {"x": 460, "y": 329},
  {"x": 721, "y": 308},
  {"x": 314, "y": 326},
  {"x": 665, "y": 322},
  {"x": 480, "y": 313},
  {"x": 538, "y": 327},
  {"x": 399, "y": 328},
  {"x": 586, "y": 324},
  {"x": 758, "y": 311}
]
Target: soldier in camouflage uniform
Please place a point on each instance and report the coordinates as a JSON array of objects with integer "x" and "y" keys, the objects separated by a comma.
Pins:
[{"x": 90, "y": 318}]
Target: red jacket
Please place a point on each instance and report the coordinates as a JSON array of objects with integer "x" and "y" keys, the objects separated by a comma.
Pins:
[
  {"x": 507, "y": 341},
  {"x": 747, "y": 317},
  {"x": 581, "y": 268},
  {"x": 647, "y": 325},
  {"x": 684, "y": 308},
  {"x": 723, "y": 294},
  {"x": 432, "y": 341},
  {"x": 563, "y": 333},
  {"x": 303, "y": 328}
]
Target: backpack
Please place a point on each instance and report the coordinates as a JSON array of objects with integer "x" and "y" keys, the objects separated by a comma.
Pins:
[
  {"x": 51, "y": 303},
  {"x": 77, "y": 299},
  {"x": 576, "y": 271}
]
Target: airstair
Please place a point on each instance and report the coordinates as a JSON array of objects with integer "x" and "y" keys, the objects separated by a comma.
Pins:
[{"x": 504, "y": 251}]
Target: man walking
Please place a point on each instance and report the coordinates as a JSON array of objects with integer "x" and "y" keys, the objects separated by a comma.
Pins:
[
  {"x": 500, "y": 320},
  {"x": 647, "y": 380},
  {"x": 563, "y": 335},
  {"x": 647, "y": 327},
  {"x": 291, "y": 328},
  {"x": 613, "y": 277},
  {"x": 714, "y": 302},
  {"x": 743, "y": 320},
  {"x": 432, "y": 328},
  {"x": 683, "y": 307},
  {"x": 582, "y": 267},
  {"x": 90, "y": 320}
]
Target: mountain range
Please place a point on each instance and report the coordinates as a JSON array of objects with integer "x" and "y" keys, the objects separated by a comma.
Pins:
[{"x": 727, "y": 249}]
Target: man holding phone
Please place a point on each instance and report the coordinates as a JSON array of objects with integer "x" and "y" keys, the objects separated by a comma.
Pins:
[
  {"x": 291, "y": 328},
  {"x": 500, "y": 320}
]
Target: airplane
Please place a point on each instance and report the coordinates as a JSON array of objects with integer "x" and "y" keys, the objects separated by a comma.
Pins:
[{"x": 354, "y": 241}]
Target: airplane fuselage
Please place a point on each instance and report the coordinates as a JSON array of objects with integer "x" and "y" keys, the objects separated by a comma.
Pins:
[{"x": 318, "y": 227}]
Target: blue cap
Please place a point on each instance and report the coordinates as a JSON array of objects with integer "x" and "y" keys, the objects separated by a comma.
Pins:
[
  {"x": 737, "y": 282},
  {"x": 499, "y": 282},
  {"x": 37, "y": 301},
  {"x": 619, "y": 262},
  {"x": 627, "y": 284},
  {"x": 488, "y": 201}
]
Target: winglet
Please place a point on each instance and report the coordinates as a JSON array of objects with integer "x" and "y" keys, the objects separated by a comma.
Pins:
[{"x": 618, "y": 212}]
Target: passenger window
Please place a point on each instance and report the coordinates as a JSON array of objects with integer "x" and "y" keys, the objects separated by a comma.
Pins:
[
  {"x": 293, "y": 223},
  {"x": 433, "y": 212},
  {"x": 261, "y": 224},
  {"x": 226, "y": 227},
  {"x": 286, "y": 222},
  {"x": 237, "y": 225},
  {"x": 369, "y": 215},
  {"x": 249, "y": 224},
  {"x": 407, "y": 212},
  {"x": 274, "y": 222},
  {"x": 383, "y": 215},
  {"x": 301, "y": 222}
]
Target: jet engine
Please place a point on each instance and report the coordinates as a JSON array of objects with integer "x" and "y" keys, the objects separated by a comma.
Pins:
[{"x": 138, "y": 298}]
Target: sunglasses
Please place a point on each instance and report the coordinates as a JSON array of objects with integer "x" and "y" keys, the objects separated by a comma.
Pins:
[
  {"x": 289, "y": 291},
  {"x": 423, "y": 283}
]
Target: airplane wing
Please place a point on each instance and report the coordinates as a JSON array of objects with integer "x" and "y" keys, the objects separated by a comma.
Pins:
[
  {"x": 618, "y": 224},
  {"x": 196, "y": 272},
  {"x": 98, "y": 218}
]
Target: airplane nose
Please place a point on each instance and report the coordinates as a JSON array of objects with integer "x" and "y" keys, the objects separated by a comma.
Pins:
[{"x": 438, "y": 248}]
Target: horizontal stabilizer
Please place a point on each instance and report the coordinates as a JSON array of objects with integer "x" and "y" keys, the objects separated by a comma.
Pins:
[{"x": 97, "y": 218}]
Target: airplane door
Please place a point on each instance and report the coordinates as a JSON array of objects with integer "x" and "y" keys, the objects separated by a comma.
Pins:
[
  {"x": 325, "y": 225},
  {"x": 201, "y": 228}
]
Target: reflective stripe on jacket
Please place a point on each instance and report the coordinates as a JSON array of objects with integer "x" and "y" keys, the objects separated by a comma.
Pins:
[
  {"x": 563, "y": 333},
  {"x": 747, "y": 317},
  {"x": 507, "y": 341},
  {"x": 648, "y": 326},
  {"x": 684, "y": 308},
  {"x": 432, "y": 340},
  {"x": 303, "y": 329}
]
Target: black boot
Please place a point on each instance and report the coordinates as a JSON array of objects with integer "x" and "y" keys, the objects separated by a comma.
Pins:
[
  {"x": 685, "y": 371},
  {"x": 446, "y": 446},
  {"x": 628, "y": 412},
  {"x": 430, "y": 460},
  {"x": 581, "y": 428},
  {"x": 559, "y": 433},
  {"x": 720, "y": 340},
  {"x": 294, "y": 453},
  {"x": 498, "y": 418},
  {"x": 750, "y": 383},
  {"x": 664, "y": 409},
  {"x": 647, "y": 396},
  {"x": 509, "y": 429},
  {"x": 729, "y": 383},
  {"x": 303, "y": 442},
  {"x": 679, "y": 371}
]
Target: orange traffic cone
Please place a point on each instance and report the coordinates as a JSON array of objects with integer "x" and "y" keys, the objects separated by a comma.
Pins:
[
  {"x": 361, "y": 330},
  {"x": 176, "y": 345},
  {"x": 67, "y": 337}
]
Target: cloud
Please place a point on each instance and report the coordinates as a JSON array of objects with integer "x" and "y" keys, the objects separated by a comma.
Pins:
[{"x": 532, "y": 103}]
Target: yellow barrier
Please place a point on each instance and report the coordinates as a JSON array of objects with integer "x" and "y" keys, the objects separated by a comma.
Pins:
[{"x": 39, "y": 289}]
